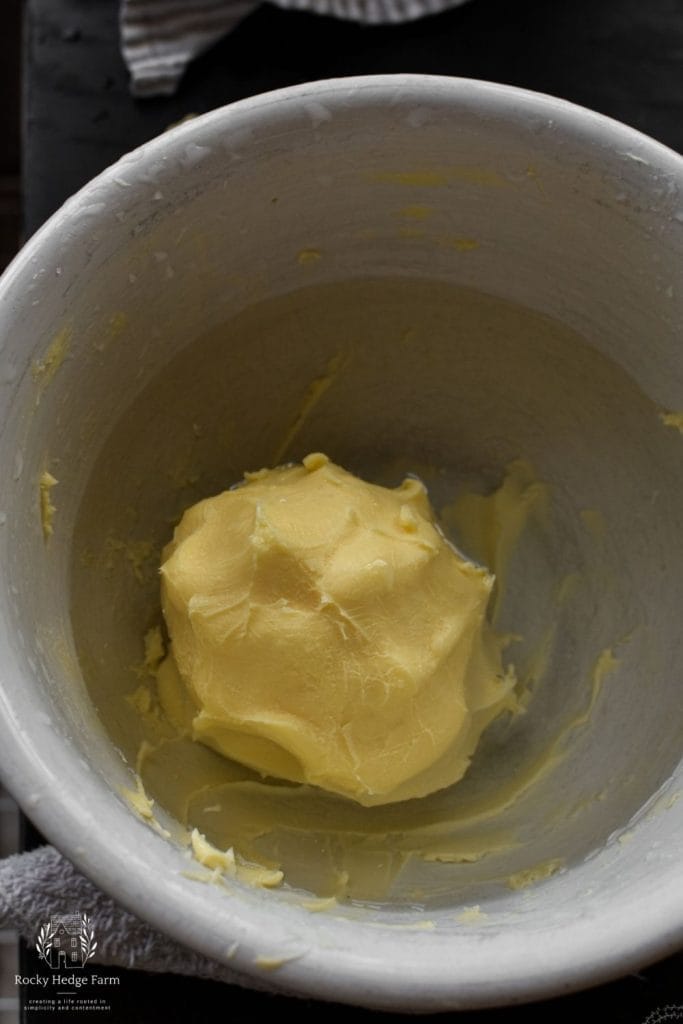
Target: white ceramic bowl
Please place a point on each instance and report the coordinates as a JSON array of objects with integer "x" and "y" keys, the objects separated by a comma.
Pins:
[{"x": 524, "y": 197}]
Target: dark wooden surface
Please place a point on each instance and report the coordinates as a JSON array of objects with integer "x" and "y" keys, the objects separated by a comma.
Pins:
[{"x": 621, "y": 57}]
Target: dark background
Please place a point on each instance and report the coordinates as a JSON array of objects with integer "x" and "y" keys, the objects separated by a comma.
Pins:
[{"x": 622, "y": 58}]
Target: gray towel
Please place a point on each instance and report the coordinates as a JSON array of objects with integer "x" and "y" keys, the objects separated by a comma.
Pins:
[
  {"x": 35, "y": 886},
  {"x": 159, "y": 38}
]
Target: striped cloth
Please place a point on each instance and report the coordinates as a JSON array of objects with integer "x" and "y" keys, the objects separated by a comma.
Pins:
[{"x": 159, "y": 38}]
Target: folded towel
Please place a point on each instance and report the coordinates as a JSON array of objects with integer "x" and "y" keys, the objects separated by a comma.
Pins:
[
  {"x": 159, "y": 38},
  {"x": 36, "y": 886}
]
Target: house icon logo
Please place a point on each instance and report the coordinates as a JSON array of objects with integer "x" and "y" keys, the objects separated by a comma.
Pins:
[{"x": 66, "y": 941}]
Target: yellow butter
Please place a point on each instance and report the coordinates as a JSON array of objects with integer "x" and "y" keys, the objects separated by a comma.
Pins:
[{"x": 324, "y": 631}]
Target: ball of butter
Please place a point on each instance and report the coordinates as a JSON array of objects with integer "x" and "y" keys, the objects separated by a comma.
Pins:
[{"x": 324, "y": 631}]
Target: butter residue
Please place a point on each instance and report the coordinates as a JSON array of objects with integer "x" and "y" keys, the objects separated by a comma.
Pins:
[
  {"x": 115, "y": 325},
  {"x": 663, "y": 802},
  {"x": 314, "y": 392},
  {"x": 320, "y": 905},
  {"x": 538, "y": 873},
  {"x": 43, "y": 370},
  {"x": 274, "y": 963},
  {"x": 431, "y": 177},
  {"x": 143, "y": 805},
  {"x": 327, "y": 633},
  {"x": 139, "y": 800},
  {"x": 155, "y": 649},
  {"x": 672, "y": 419},
  {"x": 605, "y": 664},
  {"x": 306, "y": 257},
  {"x": 490, "y": 525},
  {"x": 228, "y": 863},
  {"x": 47, "y": 509},
  {"x": 143, "y": 698},
  {"x": 471, "y": 915}
]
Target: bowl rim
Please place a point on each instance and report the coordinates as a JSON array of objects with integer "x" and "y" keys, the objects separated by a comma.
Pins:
[{"x": 646, "y": 926}]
